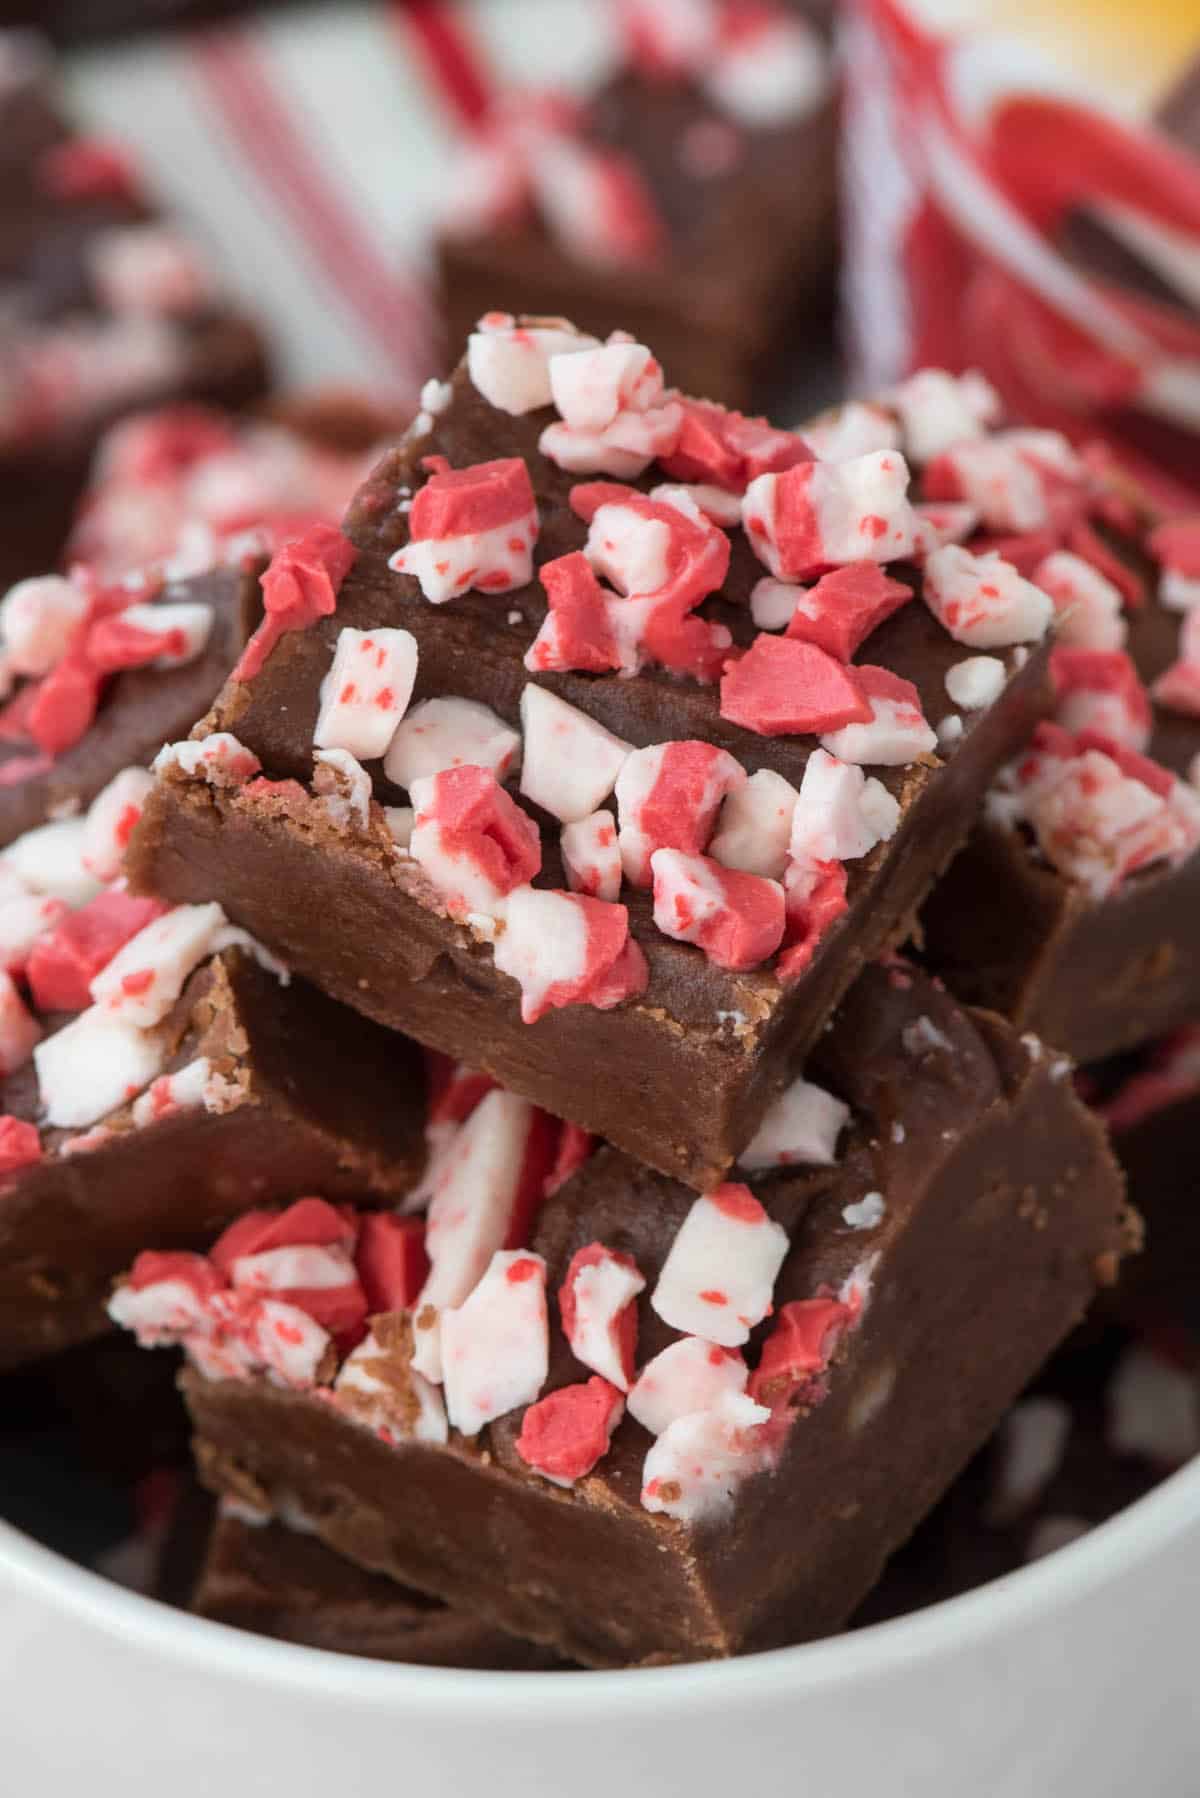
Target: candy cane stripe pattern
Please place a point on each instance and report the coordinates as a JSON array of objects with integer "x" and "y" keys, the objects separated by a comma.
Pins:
[
  {"x": 471, "y": 528},
  {"x": 818, "y": 515}
]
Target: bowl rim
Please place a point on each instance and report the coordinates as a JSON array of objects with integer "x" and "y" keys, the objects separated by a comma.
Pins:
[{"x": 1111, "y": 1550}]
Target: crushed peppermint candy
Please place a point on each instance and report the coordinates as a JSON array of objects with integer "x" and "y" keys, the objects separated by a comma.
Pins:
[
  {"x": 470, "y": 528},
  {"x": 689, "y": 1375},
  {"x": 802, "y": 1127},
  {"x": 720, "y": 1271},
  {"x": 366, "y": 692}
]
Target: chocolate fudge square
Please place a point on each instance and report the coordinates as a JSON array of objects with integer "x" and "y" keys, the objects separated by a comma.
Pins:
[
  {"x": 296, "y": 1093},
  {"x": 957, "y": 1196},
  {"x": 106, "y": 307},
  {"x": 681, "y": 1072}
]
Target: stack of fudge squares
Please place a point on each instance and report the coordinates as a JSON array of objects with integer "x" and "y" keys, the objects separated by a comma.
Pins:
[{"x": 577, "y": 1046}]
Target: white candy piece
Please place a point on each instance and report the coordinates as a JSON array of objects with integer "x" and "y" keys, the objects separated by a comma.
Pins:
[
  {"x": 975, "y": 682},
  {"x": 38, "y": 618},
  {"x": 720, "y": 1271},
  {"x": 939, "y": 410},
  {"x": 545, "y": 941},
  {"x": 571, "y": 763},
  {"x": 688, "y": 1376},
  {"x": 23, "y": 919},
  {"x": 470, "y": 1211},
  {"x": 496, "y": 1346},
  {"x": 20, "y": 1032},
  {"x": 592, "y": 856},
  {"x": 1008, "y": 476},
  {"x": 145, "y": 977},
  {"x": 184, "y": 1090},
  {"x": 286, "y": 1342},
  {"x": 775, "y": 74},
  {"x": 323, "y": 1267},
  {"x": 450, "y": 733},
  {"x": 602, "y": 1291},
  {"x": 97, "y": 1063},
  {"x": 714, "y": 503},
  {"x": 159, "y": 1315},
  {"x": 344, "y": 787},
  {"x": 855, "y": 511},
  {"x": 191, "y": 618},
  {"x": 897, "y": 734},
  {"x": 624, "y": 449},
  {"x": 1153, "y": 1410},
  {"x": 839, "y": 813},
  {"x": 220, "y": 759},
  {"x": 1088, "y": 708},
  {"x": 1088, "y": 606},
  {"x": 592, "y": 387},
  {"x": 940, "y": 522},
  {"x": 509, "y": 364},
  {"x": 386, "y": 1410},
  {"x": 694, "y": 1469},
  {"x": 854, "y": 429},
  {"x": 494, "y": 560},
  {"x": 366, "y": 692},
  {"x": 50, "y": 860},
  {"x": 110, "y": 819},
  {"x": 755, "y": 826},
  {"x": 773, "y": 603},
  {"x": 632, "y": 553},
  {"x": 801, "y": 1127},
  {"x": 982, "y": 601}
]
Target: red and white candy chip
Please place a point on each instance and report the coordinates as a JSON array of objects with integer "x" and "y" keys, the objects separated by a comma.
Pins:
[
  {"x": 818, "y": 515},
  {"x": 492, "y": 1173},
  {"x": 92, "y": 1066},
  {"x": 566, "y": 1433},
  {"x": 1100, "y": 690},
  {"x": 568, "y": 949},
  {"x": 496, "y": 1345},
  {"x": 165, "y": 635},
  {"x": 1097, "y": 824},
  {"x": 509, "y": 364},
  {"x": 840, "y": 814},
  {"x": 20, "y": 1032},
  {"x": 755, "y": 826},
  {"x": 976, "y": 682},
  {"x": 591, "y": 856},
  {"x": 1087, "y": 604},
  {"x": 688, "y": 1376},
  {"x": 50, "y": 860},
  {"x": 220, "y": 759},
  {"x": 415, "y": 1412},
  {"x": 629, "y": 548},
  {"x": 737, "y": 919},
  {"x": 471, "y": 528},
  {"x": 144, "y": 979},
  {"x": 184, "y": 1090},
  {"x": 591, "y": 388},
  {"x": 450, "y": 733},
  {"x": 854, "y": 429},
  {"x": 624, "y": 449},
  {"x": 719, "y": 1275},
  {"x": 941, "y": 522},
  {"x": 1011, "y": 477},
  {"x": 570, "y": 763},
  {"x": 110, "y": 821},
  {"x": 599, "y": 1316},
  {"x": 38, "y": 621},
  {"x": 696, "y": 1466},
  {"x": 148, "y": 270},
  {"x": 24, "y": 919},
  {"x": 802, "y": 1127},
  {"x": 366, "y": 692},
  {"x": 472, "y": 840},
  {"x": 668, "y": 797},
  {"x": 713, "y": 503},
  {"x": 982, "y": 601},
  {"x": 938, "y": 411},
  {"x": 898, "y": 733},
  {"x": 165, "y": 1298},
  {"x": 289, "y": 1345},
  {"x": 773, "y": 603}
]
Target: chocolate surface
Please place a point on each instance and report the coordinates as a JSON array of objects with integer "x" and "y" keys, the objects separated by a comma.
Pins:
[
  {"x": 323, "y": 1102},
  {"x": 680, "y": 1077},
  {"x": 1002, "y": 1210}
]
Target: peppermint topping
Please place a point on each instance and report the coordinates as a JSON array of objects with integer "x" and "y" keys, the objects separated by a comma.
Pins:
[
  {"x": 92, "y": 1066},
  {"x": 471, "y": 528},
  {"x": 696, "y": 1465},
  {"x": 50, "y": 860},
  {"x": 70, "y": 950},
  {"x": 668, "y": 797},
  {"x": 378, "y": 1385},
  {"x": 566, "y": 1433},
  {"x": 782, "y": 687},
  {"x": 853, "y": 429},
  {"x": 755, "y": 826},
  {"x": 185, "y": 1090},
  {"x": 111, "y": 818},
  {"x": 591, "y": 388},
  {"x": 799, "y": 1348},
  {"x": 801, "y": 1126},
  {"x": 1087, "y": 604},
  {"x": 939, "y": 412},
  {"x": 840, "y": 814},
  {"x": 599, "y": 1315},
  {"x": 1177, "y": 547},
  {"x": 509, "y": 364},
  {"x": 143, "y": 980},
  {"x": 1178, "y": 688},
  {"x": 719, "y": 1274},
  {"x": 568, "y": 949},
  {"x": 571, "y": 763},
  {"x": 845, "y": 607},
  {"x": 737, "y": 919},
  {"x": 818, "y": 515},
  {"x": 1099, "y": 690},
  {"x": 450, "y": 733},
  {"x": 495, "y": 1345},
  {"x": 366, "y": 692},
  {"x": 219, "y": 759},
  {"x": 975, "y": 682},
  {"x": 20, "y": 1032},
  {"x": 982, "y": 601},
  {"x": 38, "y": 621},
  {"x": 1012, "y": 477},
  {"x": 898, "y": 732},
  {"x": 591, "y": 856},
  {"x": 725, "y": 450},
  {"x": 689, "y": 1375},
  {"x": 472, "y": 840},
  {"x": 300, "y": 586}
]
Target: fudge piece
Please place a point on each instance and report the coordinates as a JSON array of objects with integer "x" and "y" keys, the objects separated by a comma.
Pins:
[
  {"x": 245, "y": 1089},
  {"x": 261, "y": 1575},
  {"x": 627, "y": 1486},
  {"x": 105, "y": 306},
  {"x": 660, "y": 1000},
  {"x": 1072, "y": 909},
  {"x": 1110, "y": 1418},
  {"x": 692, "y": 199}
]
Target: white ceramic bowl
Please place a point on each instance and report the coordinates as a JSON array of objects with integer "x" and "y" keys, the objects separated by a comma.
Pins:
[{"x": 1076, "y": 1676}]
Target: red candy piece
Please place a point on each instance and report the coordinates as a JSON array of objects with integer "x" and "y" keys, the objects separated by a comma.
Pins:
[
  {"x": 20, "y": 1144},
  {"x": 809, "y": 920},
  {"x": 568, "y": 1431},
  {"x": 300, "y": 586},
  {"x": 537, "y": 1165},
  {"x": 698, "y": 557},
  {"x": 454, "y": 1091},
  {"x": 61, "y": 707},
  {"x": 114, "y": 643},
  {"x": 729, "y": 450},
  {"x": 693, "y": 646},
  {"x": 1102, "y": 671},
  {"x": 574, "y": 1148},
  {"x": 577, "y": 634},
  {"x": 308, "y": 1223},
  {"x": 391, "y": 1260},
  {"x": 64, "y": 962},
  {"x": 782, "y": 687},
  {"x": 152, "y": 1267},
  {"x": 481, "y": 822},
  {"x": 797, "y": 1351},
  {"x": 457, "y": 502},
  {"x": 845, "y": 606},
  {"x": 625, "y": 1328}
]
